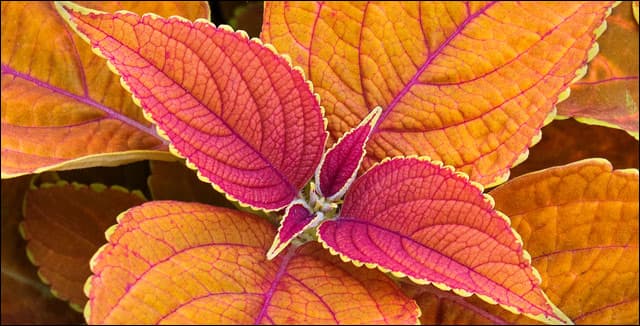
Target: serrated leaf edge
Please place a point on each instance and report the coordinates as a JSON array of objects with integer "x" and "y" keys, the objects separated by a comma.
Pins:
[
  {"x": 487, "y": 198},
  {"x": 161, "y": 133},
  {"x": 563, "y": 95},
  {"x": 93, "y": 160},
  {"x": 60, "y": 184},
  {"x": 277, "y": 246}
]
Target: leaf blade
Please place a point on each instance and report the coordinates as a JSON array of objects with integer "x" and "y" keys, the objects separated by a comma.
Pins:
[
  {"x": 61, "y": 109},
  {"x": 62, "y": 236},
  {"x": 608, "y": 94},
  {"x": 414, "y": 218},
  {"x": 446, "y": 93},
  {"x": 235, "y": 280},
  {"x": 592, "y": 278},
  {"x": 262, "y": 123},
  {"x": 341, "y": 162}
]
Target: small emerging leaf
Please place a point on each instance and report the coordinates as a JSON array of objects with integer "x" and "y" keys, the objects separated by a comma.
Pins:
[
  {"x": 297, "y": 218},
  {"x": 418, "y": 219},
  {"x": 340, "y": 163},
  {"x": 186, "y": 263}
]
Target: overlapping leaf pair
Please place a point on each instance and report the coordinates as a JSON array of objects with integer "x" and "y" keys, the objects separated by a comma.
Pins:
[{"x": 251, "y": 125}]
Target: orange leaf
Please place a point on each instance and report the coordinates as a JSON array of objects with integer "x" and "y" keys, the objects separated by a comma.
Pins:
[
  {"x": 61, "y": 107},
  {"x": 177, "y": 262},
  {"x": 62, "y": 235},
  {"x": 25, "y": 300},
  {"x": 467, "y": 84},
  {"x": 174, "y": 181},
  {"x": 580, "y": 224},
  {"x": 566, "y": 141},
  {"x": 608, "y": 95}
]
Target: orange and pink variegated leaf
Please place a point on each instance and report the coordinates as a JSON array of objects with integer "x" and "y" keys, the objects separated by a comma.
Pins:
[
  {"x": 341, "y": 162},
  {"x": 185, "y": 263},
  {"x": 416, "y": 218},
  {"x": 467, "y": 83},
  {"x": 236, "y": 110},
  {"x": 61, "y": 107},
  {"x": 252, "y": 126},
  {"x": 297, "y": 218}
]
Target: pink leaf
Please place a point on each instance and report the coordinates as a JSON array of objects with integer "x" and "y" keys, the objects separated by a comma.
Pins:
[
  {"x": 415, "y": 218},
  {"x": 297, "y": 218},
  {"x": 340, "y": 164},
  {"x": 237, "y": 111}
]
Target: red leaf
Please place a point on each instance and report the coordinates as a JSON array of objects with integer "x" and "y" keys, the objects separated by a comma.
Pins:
[
  {"x": 340, "y": 163},
  {"x": 297, "y": 218},
  {"x": 238, "y": 112},
  {"x": 418, "y": 219}
]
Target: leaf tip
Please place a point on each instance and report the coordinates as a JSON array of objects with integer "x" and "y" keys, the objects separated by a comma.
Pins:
[{"x": 276, "y": 247}]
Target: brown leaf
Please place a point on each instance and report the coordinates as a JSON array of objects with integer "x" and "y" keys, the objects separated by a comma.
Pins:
[
  {"x": 64, "y": 225},
  {"x": 174, "y": 181},
  {"x": 25, "y": 299},
  {"x": 608, "y": 94},
  {"x": 566, "y": 141}
]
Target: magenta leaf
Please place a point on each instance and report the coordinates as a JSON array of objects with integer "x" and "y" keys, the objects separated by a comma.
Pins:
[
  {"x": 298, "y": 217},
  {"x": 416, "y": 218},
  {"x": 237, "y": 111},
  {"x": 341, "y": 162}
]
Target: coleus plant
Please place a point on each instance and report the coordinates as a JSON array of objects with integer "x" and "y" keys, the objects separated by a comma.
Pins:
[{"x": 251, "y": 125}]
